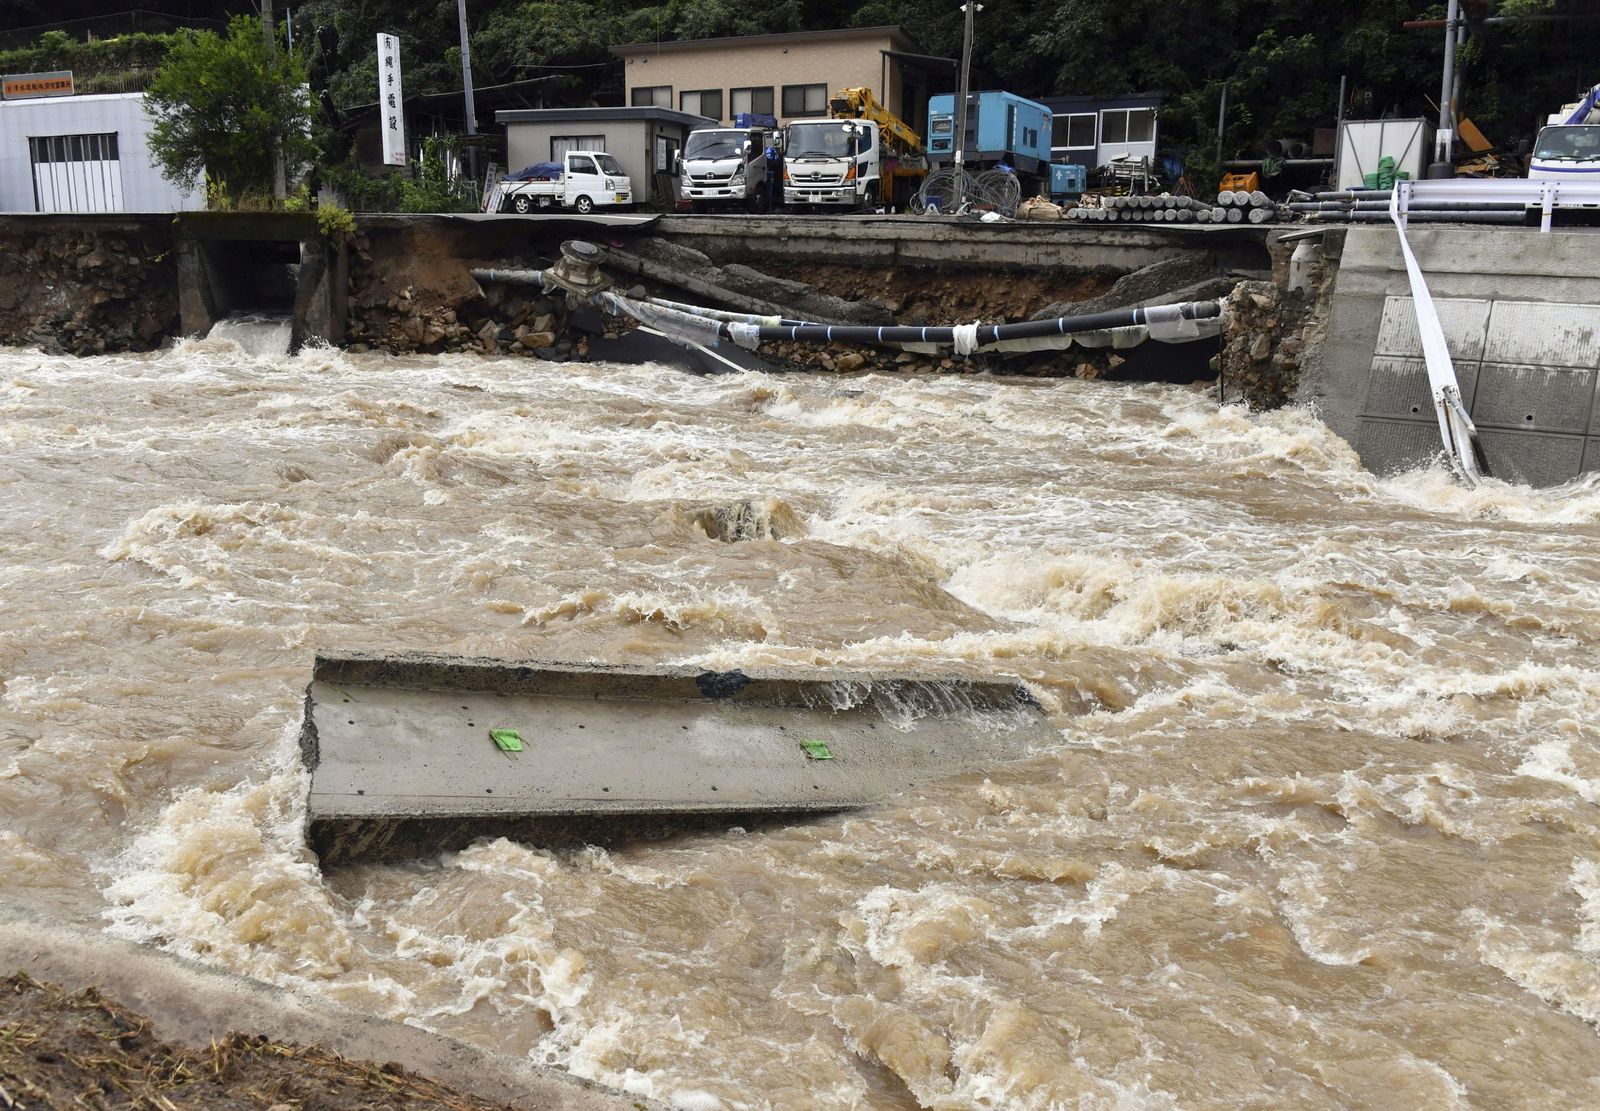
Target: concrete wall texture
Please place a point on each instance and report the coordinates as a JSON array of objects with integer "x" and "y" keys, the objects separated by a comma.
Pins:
[
  {"x": 770, "y": 62},
  {"x": 142, "y": 188},
  {"x": 1521, "y": 314}
]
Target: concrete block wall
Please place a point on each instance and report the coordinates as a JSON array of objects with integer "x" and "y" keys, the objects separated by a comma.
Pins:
[{"x": 1521, "y": 315}]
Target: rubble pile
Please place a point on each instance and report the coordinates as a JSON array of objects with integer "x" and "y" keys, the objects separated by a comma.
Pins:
[
  {"x": 501, "y": 320},
  {"x": 77, "y": 289}
]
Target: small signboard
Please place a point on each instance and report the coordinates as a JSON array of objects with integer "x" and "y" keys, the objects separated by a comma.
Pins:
[
  {"x": 21, "y": 86},
  {"x": 391, "y": 101}
]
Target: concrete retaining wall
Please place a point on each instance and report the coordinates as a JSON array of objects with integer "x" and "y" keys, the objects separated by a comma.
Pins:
[
  {"x": 887, "y": 241},
  {"x": 1521, "y": 313}
]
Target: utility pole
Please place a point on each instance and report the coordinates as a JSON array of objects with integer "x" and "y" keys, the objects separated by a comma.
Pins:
[
  {"x": 466, "y": 83},
  {"x": 1222, "y": 122},
  {"x": 280, "y": 184},
  {"x": 970, "y": 7},
  {"x": 1447, "y": 122}
]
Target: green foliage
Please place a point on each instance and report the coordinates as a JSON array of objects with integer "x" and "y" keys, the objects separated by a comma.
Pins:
[
  {"x": 1282, "y": 62},
  {"x": 222, "y": 105},
  {"x": 334, "y": 221},
  {"x": 426, "y": 187},
  {"x": 122, "y": 64}
]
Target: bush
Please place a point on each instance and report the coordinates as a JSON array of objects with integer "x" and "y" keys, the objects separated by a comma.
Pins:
[
  {"x": 223, "y": 106},
  {"x": 430, "y": 188}
]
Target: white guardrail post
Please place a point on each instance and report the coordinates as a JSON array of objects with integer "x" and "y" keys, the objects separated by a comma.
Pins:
[{"x": 1545, "y": 196}]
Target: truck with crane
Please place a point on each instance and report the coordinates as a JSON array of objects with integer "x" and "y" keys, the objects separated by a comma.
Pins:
[
  {"x": 1568, "y": 146},
  {"x": 861, "y": 156}
]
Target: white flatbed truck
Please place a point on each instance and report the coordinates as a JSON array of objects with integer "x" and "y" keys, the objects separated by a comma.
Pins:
[{"x": 589, "y": 179}]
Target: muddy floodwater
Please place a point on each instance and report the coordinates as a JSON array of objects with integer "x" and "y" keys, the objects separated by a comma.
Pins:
[{"x": 1322, "y": 828}]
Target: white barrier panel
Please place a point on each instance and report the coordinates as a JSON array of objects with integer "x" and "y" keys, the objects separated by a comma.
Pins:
[{"x": 1543, "y": 195}]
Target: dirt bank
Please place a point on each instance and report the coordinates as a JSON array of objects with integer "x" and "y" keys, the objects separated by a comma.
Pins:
[
  {"x": 61, "y": 1049},
  {"x": 121, "y": 1026},
  {"x": 1269, "y": 329},
  {"x": 86, "y": 286},
  {"x": 925, "y": 295}
]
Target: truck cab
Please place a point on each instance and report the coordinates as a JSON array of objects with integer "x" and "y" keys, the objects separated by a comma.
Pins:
[
  {"x": 1568, "y": 147},
  {"x": 724, "y": 167},
  {"x": 583, "y": 180},
  {"x": 832, "y": 164},
  {"x": 1566, "y": 152}
]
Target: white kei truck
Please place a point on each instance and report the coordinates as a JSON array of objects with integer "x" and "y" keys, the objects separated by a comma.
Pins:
[{"x": 583, "y": 181}]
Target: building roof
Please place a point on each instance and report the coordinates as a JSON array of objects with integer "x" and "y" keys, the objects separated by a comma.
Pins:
[
  {"x": 580, "y": 115},
  {"x": 1116, "y": 100},
  {"x": 894, "y": 32}
]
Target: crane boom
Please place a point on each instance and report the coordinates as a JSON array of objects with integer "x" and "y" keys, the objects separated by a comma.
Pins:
[{"x": 848, "y": 104}]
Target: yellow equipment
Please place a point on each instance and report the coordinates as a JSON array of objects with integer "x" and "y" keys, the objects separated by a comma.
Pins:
[
  {"x": 904, "y": 166},
  {"x": 1240, "y": 183},
  {"x": 855, "y": 104}
]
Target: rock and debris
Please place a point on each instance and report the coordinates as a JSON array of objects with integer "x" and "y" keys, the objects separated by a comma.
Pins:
[
  {"x": 1268, "y": 330},
  {"x": 81, "y": 1049},
  {"x": 88, "y": 289}
]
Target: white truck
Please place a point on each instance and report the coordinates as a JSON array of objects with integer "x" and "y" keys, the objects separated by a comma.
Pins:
[
  {"x": 1568, "y": 149},
  {"x": 832, "y": 164},
  {"x": 724, "y": 167},
  {"x": 584, "y": 180}
]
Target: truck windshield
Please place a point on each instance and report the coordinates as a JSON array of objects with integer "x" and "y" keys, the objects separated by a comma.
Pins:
[
  {"x": 818, "y": 140},
  {"x": 712, "y": 144},
  {"x": 608, "y": 165},
  {"x": 1576, "y": 143}
]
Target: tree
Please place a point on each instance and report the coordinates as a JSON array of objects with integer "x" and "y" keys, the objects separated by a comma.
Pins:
[{"x": 222, "y": 105}]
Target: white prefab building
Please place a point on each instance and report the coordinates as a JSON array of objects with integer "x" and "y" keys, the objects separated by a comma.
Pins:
[{"x": 84, "y": 154}]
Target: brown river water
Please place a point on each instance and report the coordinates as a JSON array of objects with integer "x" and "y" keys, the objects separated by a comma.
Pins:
[{"x": 1322, "y": 828}]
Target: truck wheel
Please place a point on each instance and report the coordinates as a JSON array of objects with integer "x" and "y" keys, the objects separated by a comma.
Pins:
[
  {"x": 584, "y": 206},
  {"x": 522, "y": 203},
  {"x": 869, "y": 200}
]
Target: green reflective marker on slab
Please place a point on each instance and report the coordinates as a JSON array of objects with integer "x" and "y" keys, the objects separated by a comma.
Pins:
[
  {"x": 506, "y": 740},
  {"x": 816, "y": 750}
]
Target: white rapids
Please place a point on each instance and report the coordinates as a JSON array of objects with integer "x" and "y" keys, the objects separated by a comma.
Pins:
[{"x": 1321, "y": 828}]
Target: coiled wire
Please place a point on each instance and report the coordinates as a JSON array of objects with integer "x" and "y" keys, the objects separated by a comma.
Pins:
[{"x": 953, "y": 191}]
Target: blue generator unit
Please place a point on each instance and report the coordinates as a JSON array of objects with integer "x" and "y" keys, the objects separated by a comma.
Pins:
[
  {"x": 1067, "y": 182},
  {"x": 1000, "y": 128}
]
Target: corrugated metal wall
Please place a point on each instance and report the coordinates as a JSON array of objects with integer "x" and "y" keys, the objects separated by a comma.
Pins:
[{"x": 63, "y": 186}]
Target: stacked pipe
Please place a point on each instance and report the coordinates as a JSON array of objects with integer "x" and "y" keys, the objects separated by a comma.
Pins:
[
  {"x": 1231, "y": 208},
  {"x": 1146, "y": 209},
  {"x": 1240, "y": 206},
  {"x": 1371, "y": 206}
]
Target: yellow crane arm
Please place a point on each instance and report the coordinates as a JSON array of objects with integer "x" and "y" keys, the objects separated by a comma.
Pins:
[{"x": 848, "y": 104}]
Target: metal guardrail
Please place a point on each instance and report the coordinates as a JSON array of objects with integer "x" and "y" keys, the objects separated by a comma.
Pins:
[{"x": 1546, "y": 196}]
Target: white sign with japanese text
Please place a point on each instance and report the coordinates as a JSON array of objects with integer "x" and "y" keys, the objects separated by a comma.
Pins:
[{"x": 391, "y": 101}]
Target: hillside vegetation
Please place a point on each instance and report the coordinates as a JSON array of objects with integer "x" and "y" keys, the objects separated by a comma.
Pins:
[{"x": 1282, "y": 62}]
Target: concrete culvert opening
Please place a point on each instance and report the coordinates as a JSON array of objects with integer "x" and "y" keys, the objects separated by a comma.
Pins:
[
  {"x": 766, "y": 519},
  {"x": 252, "y": 276}
]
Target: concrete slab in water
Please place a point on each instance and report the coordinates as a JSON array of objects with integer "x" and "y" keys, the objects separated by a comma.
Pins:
[{"x": 402, "y": 761}]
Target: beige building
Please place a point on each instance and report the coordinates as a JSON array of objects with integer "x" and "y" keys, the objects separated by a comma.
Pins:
[
  {"x": 788, "y": 76},
  {"x": 646, "y": 141}
]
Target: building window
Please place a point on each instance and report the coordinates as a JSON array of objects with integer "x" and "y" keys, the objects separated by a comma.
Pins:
[
  {"x": 756, "y": 101},
  {"x": 561, "y": 144},
  {"x": 1128, "y": 125},
  {"x": 653, "y": 96},
  {"x": 1073, "y": 132},
  {"x": 805, "y": 100},
  {"x": 704, "y": 102},
  {"x": 76, "y": 173}
]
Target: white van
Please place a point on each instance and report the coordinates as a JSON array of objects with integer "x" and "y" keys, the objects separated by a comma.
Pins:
[{"x": 583, "y": 180}]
